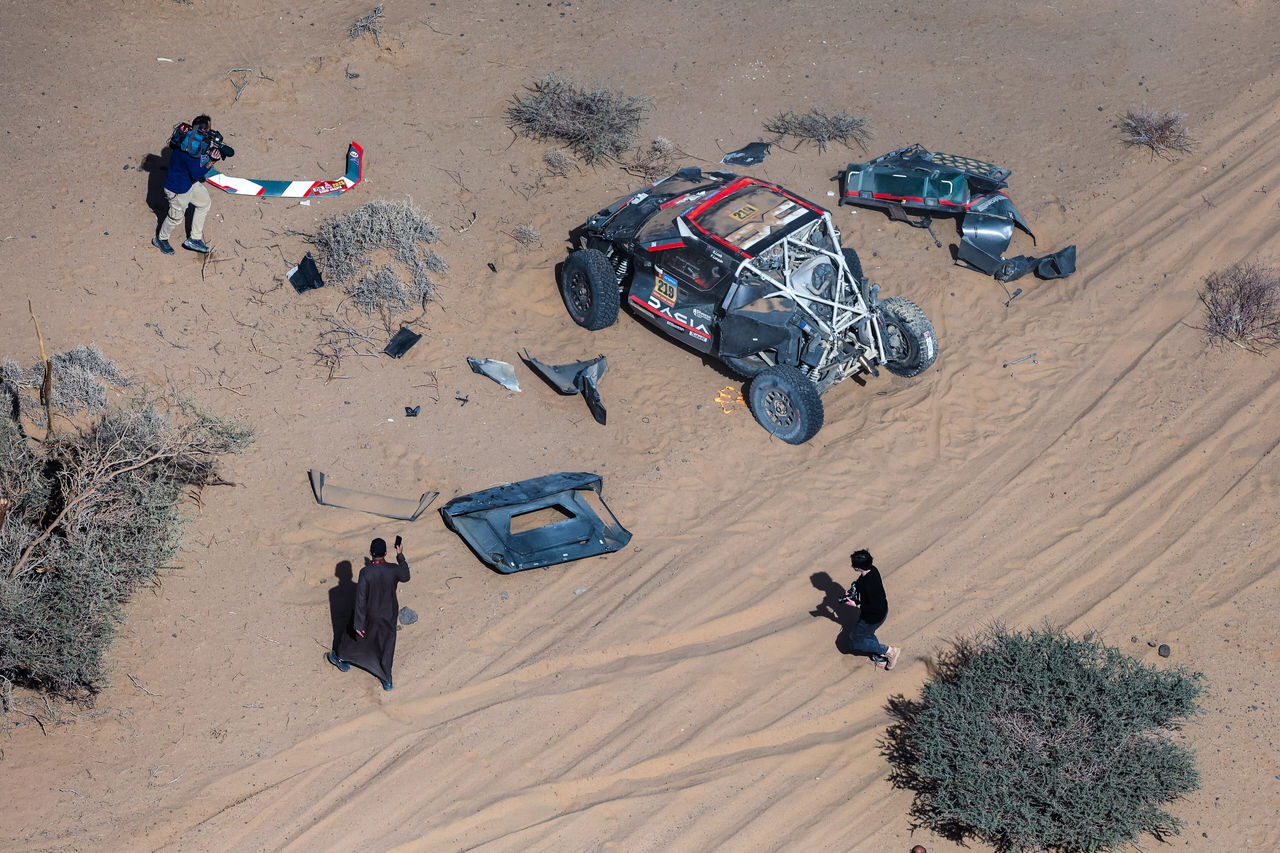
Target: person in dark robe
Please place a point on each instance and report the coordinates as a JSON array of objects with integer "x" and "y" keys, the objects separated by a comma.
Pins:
[
  {"x": 868, "y": 594},
  {"x": 370, "y": 642}
]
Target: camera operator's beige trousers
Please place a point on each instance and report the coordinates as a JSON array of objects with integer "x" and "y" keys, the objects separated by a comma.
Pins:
[{"x": 197, "y": 197}]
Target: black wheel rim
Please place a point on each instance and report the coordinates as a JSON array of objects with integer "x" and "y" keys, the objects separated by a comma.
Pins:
[
  {"x": 902, "y": 349},
  {"x": 778, "y": 408},
  {"x": 579, "y": 293}
]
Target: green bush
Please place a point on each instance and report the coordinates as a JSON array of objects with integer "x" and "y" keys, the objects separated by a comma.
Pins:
[
  {"x": 86, "y": 517},
  {"x": 1042, "y": 741}
]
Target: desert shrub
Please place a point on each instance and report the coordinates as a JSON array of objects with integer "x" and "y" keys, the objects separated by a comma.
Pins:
[
  {"x": 526, "y": 235},
  {"x": 371, "y": 23},
  {"x": 1164, "y": 134},
  {"x": 596, "y": 124},
  {"x": 655, "y": 160},
  {"x": 80, "y": 379},
  {"x": 821, "y": 128},
  {"x": 557, "y": 162},
  {"x": 1040, "y": 741},
  {"x": 1242, "y": 306},
  {"x": 88, "y": 517},
  {"x": 347, "y": 243}
]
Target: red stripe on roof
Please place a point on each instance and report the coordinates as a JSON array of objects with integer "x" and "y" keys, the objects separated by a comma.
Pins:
[{"x": 662, "y": 246}]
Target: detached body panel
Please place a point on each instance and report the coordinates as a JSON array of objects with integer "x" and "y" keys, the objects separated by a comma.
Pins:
[{"x": 484, "y": 521}]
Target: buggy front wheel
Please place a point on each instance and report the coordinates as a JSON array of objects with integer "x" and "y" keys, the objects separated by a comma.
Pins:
[
  {"x": 910, "y": 344},
  {"x": 589, "y": 288},
  {"x": 786, "y": 403}
]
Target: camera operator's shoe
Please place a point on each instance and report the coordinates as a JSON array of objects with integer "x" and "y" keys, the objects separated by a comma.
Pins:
[
  {"x": 891, "y": 657},
  {"x": 386, "y": 685},
  {"x": 195, "y": 246},
  {"x": 162, "y": 245},
  {"x": 337, "y": 661}
]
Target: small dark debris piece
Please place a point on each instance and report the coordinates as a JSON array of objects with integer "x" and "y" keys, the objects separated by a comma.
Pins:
[
  {"x": 412, "y": 411},
  {"x": 747, "y": 155},
  {"x": 462, "y": 401},
  {"x": 306, "y": 276},
  {"x": 492, "y": 268},
  {"x": 402, "y": 342},
  {"x": 1164, "y": 651},
  {"x": 408, "y": 616},
  {"x": 1133, "y": 639}
]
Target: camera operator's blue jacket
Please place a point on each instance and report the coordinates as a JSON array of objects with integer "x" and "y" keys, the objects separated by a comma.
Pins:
[{"x": 184, "y": 171}]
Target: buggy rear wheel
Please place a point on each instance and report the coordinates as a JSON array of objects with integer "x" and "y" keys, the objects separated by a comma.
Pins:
[
  {"x": 911, "y": 346},
  {"x": 589, "y": 288},
  {"x": 786, "y": 403}
]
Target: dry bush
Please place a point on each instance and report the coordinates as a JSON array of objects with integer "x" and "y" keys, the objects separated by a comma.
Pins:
[
  {"x": 655, "y": 160},
  {"x": 821, "y": 128},
  {"x": 371, "y": 23},
  {"x": 347, "y": 242},
  {"x": 1165, "y": 134},
  {"x": 1242, "y": 306},
  {"x": 596, "y": 124},
  {"x": 92, "y": 515},
  {"x": 80, "y": 379},
  {"x": 557, "y": 162},
  {"x": 526, "y": 235}
]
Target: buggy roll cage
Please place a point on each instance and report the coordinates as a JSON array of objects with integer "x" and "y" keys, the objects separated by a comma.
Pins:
[{"x": 850, "y": 307}]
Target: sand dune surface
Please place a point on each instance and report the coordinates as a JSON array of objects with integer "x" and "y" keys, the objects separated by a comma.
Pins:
[{"x": 676, "y": 695}]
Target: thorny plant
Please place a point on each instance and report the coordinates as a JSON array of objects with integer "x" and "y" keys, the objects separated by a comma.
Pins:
[
  {"x": 396, "y": 236},
  {"x": 1242, "y": 306},
  {"x": 821, "y": 128},
  {"x": 1163, "y": 134},
  {"x": 526, "y": 235},
  {"x": 371, "y": 23},
  {"x": 80, "y": 379},
  {"x": 90, "y": 516},
  {"x": 558, "y": 163},
  {"x": 596, "y": 124},
  {"x": 655, "y": 160}
]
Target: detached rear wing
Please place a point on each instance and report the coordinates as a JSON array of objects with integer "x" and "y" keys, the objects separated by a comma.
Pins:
[{"x": 293, "y": 189}]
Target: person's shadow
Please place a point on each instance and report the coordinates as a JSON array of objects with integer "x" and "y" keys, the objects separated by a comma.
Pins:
[
  {"x": 342, "y": 601},
  {"x": 835, "y": 608},
  {"x": 156, "y": 165}
]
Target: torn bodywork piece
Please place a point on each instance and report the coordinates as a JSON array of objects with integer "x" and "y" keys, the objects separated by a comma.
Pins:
[
  {"x": 748, "y": 155},
  {"x": 499, "y": 371},
  {"x": 404, "y": 509},
  {"x": 579, "y": 377},
  {"x": 930, "y": 182},
  {"x": 489, "y": 522}
]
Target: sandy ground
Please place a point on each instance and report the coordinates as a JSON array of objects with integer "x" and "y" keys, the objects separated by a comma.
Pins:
[{"x": 676, "y": 695}]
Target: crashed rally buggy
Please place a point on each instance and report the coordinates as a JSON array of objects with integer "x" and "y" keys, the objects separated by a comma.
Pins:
[{"x": 752, "y": 275}]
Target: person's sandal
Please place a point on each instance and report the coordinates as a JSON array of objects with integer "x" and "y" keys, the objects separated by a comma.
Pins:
[
  {"x": 891, "y": 657},
  {"x": 337, "y": 661},
  {"x": 386, "y": 685}
]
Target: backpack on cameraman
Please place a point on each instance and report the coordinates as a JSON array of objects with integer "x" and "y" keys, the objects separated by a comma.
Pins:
[{"x": 192, "y": 140}]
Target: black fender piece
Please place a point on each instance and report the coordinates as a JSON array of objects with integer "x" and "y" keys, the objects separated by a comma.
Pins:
[
  {"x": 483, "y": 520},
  {"x": 578, "y": 377}
]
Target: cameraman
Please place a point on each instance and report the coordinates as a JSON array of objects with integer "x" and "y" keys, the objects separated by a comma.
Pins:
[{"x": 194, "y": 147}]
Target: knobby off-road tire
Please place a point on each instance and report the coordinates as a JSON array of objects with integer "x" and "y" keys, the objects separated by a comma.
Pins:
[
  {"x": 786, "y": 403},
  {"x": 589, "y": 288},
  {"x": 911, "y": 347},
  {"x": 853, "y": 262}
]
